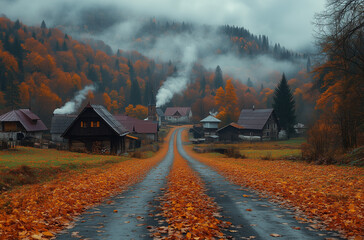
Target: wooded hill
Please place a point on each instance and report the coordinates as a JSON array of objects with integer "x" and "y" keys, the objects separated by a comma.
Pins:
[{"x": 41, "y": 65}]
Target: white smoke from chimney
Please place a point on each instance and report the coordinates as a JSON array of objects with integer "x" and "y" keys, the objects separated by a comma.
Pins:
[
  {"x": 177, "y": 84},
  {"x": 75, "y": 103}
]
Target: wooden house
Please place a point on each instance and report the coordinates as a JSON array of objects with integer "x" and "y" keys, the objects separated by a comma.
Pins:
[
  {"x": 230, "y": 133},
  {"x": 19, "y": 124},
  {"x": 96, "y": 130},
  {"x": 262, "y": 123},
  {"x": 178, "y": 114}
]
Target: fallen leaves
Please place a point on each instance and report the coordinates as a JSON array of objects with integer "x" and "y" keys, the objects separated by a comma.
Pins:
[
  {"x": 333, "y": 194},
  {"x": 189, "y": 212},
  {"x": 40, "y": 210}
]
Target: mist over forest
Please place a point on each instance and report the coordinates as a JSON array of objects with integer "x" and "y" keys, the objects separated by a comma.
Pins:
[{"x": 172, "y": 54}]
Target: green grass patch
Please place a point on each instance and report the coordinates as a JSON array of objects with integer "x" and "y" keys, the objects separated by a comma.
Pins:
[
  {"x": 43, "y": 158},
  {"x": 25, "y": 165}
]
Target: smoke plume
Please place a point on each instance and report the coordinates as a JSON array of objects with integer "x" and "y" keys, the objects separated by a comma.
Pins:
[
  {"x": 75, "y": 103},
  {"x": 177, "y": 84}
]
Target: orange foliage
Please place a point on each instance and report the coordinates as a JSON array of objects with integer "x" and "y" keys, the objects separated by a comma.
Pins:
[
  {"x": 189, "y": 212},
  {"x": 228, "y": 104},
  {"x": 41, "y": 210},
  {"x": 140, "y": 111},
  {"x": 332, "y": 193}
]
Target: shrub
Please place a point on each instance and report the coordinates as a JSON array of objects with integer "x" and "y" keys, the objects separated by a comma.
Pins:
[{"x": 322, "y": 143}]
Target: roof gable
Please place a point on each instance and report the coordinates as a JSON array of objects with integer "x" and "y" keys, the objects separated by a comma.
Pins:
[
  {"x": 26, "y": 118},
  {"x": 231, "y": 125},
  {"x": 183, "y": 111},
  {"x": 211, "y": 119},
  {"x": 254, "y": 119},
  {"x": 105, "y": 115}
]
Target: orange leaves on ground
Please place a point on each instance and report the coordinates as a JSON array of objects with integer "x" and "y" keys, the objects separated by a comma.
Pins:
[
  {"x": 40, "y": 210},
  {"x": 189, "y": 212},
  {"x": 333, "y": 194}
]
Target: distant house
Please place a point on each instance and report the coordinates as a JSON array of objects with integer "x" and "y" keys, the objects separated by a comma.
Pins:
[
  {"x": 60, "y": 122},
  {"x": 96, "y": 130},
  {"x": 139, "y": 128},
  {"x": 230, "y": 132},
  {"x": 259, "y": 122},
  {"x": 178, "y": 114},
  {"x": 210, "y": 124},
  {"x": 18, "y": 124}
]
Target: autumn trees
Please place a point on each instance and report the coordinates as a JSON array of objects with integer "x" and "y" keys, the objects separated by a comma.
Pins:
[
  {"x": 227, "y": 104},
  {"x": 340, "y": 76}
]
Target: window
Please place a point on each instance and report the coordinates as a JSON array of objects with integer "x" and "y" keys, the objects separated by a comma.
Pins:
[
  {"x": 267, "y": 126},
  {"x": 268, "y": 134},
  {"x": 95, "y": 124}
]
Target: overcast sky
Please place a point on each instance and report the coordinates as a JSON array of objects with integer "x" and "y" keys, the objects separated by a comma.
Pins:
[{"x": 288, "y": 22}]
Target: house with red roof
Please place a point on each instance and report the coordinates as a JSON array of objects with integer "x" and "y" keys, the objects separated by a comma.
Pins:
[
  {"x": 21, "y": 123},
  {"x": 143, "y": 129},
  {"x": 178, "y": 114}
]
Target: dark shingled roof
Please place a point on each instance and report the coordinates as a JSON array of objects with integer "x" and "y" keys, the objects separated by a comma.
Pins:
[
  {"x": 234, "y": 125},
  {"x": 60, "y": 122},
  {"x": 136, "y": 125},
  {"x": 26, "y": 118},
  {"x": 106, "y": 116},
  {"x": 254, "y": 119},
  {"x": 109, "y": 119},
  {"x": 183, "y": 111}
]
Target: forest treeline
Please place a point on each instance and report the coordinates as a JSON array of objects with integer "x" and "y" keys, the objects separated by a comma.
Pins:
[{"x": 44, "y": 65}]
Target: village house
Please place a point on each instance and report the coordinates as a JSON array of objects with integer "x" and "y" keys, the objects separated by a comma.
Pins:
[
  {"x": 178, "y": 114},
  {"x": 20, "y": 124},
  {"x": 96, "y": 130},
  {"x": 142, "y": 129},
  {"x": 230, "y": 133},
  {"x": 261, "y": 123},
  {"x": 59, "y": 124},
  {"x": 210, "y": 124}
]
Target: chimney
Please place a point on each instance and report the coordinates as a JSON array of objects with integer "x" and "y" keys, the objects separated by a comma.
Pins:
[
  {"x": 253, "y": 107},
  {"x": 152, "y": 109}
]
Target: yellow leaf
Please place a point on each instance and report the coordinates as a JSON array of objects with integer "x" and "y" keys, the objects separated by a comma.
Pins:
[
  {"x": 48, "y": 234},
  {"x": 188, "y": 235}
]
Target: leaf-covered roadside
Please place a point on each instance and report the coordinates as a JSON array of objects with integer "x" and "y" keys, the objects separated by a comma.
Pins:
[
  {"x": 333, "y": 194},
  {"x": 40, "y": 210},
  {"x": 189, "y": 212}
]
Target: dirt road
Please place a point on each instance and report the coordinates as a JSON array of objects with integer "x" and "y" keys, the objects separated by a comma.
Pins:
[{"x": 128, "y": 215}]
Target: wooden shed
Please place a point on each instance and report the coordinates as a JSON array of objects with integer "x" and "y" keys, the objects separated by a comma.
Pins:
[
  {"x": 229, "y": 133},
  {"x": 96, "y": 130}
]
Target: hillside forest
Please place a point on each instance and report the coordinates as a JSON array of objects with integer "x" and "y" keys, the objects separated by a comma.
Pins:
[{"x": 40, "y": 64}]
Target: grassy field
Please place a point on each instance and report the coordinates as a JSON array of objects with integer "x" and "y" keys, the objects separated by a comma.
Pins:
[
  {"x": 25, "y": 165},
  {"x": 43, "y": 158},
  {"x": 258, "y": 150}
]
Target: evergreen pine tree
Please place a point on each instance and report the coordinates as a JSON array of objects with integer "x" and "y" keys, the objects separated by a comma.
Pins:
[
  {"x": 43, "y": 25},
  {"x": 249, "y": 83},
  {"x": 284, "y": 106},
  {"x": 64, "y": 46},
  {"x": 135, "y": 97},
  {"x": 218, "y": 80}
]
